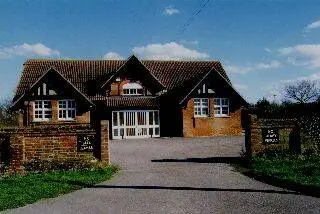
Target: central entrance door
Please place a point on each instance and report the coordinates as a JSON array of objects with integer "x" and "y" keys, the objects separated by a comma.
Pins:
[{"x": 135, "y": 124}]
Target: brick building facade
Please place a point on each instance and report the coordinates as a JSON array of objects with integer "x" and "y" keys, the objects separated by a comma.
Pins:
[{"x": 140, "y": 98}]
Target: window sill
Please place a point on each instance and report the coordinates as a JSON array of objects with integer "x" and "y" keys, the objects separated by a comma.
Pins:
[
  {"x": 204, "y": 116},
  {"x": 66, "y": 120},
  {"x": 222, "y": 116},
  {"x": 41, "y": 121}
]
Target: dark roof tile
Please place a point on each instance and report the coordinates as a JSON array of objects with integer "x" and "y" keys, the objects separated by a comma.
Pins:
[{"x": 171, "y": 74}]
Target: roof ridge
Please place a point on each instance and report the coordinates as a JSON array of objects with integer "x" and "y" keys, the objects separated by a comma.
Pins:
[{"x": 120, "y": 60}]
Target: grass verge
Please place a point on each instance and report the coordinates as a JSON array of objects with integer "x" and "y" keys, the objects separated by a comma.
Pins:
[
  {"x": 17, "y": 190},
  {"x": 298, "y": 173}
]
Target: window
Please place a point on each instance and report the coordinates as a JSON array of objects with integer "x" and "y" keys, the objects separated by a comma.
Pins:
[
  {"x": 42, "y": 110},
  {"x": 132, "y": 89},
  {"x": 221, "y": 107},
  {"x": 67, "y": 109},
  {"x": 201, "y": 107}
]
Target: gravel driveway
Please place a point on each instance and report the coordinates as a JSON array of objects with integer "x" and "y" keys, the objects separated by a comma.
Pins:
[{"x": 178, "y": 175}]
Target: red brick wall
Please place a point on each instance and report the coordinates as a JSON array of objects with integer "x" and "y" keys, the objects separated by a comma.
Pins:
[
  {"x": 42, "y": 147},
  {"x": 210, "y": 126},
  {"x": 50, "y": 142},
  {"x": 254, "y": 141}
]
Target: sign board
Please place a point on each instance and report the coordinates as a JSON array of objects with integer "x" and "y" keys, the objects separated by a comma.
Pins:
[
  {"x": 85, "y": 143},
  {"x": 270, "y": 136}
]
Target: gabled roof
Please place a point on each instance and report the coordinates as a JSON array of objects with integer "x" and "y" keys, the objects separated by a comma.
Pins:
[
  {"x": 204, "y": 78},
  {"x": 53, "y": 71},
  {"x": 169, "y": 74},
  {"x": 138, "y": 67}
]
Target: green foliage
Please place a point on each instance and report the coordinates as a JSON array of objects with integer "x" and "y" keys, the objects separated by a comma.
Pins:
[
  {"x": 47, "y": 165},
  {"x": 8, "y": 117},
  {"x": 298, "y": 169},
  {"x": 16, "y": 191}
]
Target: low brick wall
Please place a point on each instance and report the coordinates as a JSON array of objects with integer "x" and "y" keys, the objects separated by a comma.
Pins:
[
  {"x": 56, "y": 141},
  {"x": 254, "y": 133}
]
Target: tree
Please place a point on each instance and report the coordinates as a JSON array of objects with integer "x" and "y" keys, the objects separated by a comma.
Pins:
[
  {"x": 7, "y": 116},
  {"x": 302, "y": 91}
]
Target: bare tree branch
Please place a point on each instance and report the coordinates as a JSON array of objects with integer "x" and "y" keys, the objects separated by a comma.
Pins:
[{"x": 302, "y": 92}]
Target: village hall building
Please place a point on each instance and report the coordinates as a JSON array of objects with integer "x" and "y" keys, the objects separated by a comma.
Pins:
[{"x": 140, "y": 98}]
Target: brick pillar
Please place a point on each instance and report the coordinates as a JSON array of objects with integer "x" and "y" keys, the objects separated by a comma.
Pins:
[
  {"x": 104, "y": 141},
  {"x": 20, "y": 119},
  {"x": 17, "y": 151},
  {"x": 55, "y": 113},
  {"x": 251, "y": 126}
]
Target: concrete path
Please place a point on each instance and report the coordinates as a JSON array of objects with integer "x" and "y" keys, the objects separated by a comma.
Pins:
[{"x": 178, "y": 175}]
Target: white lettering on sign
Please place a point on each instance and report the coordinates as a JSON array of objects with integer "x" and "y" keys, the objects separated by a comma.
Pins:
[
  {"x": 85, "y": 144},
  {"x": 270, "y": 136}
]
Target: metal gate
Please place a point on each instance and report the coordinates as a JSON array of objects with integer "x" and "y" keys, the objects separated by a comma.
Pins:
[{"x": 135, "y": 124}]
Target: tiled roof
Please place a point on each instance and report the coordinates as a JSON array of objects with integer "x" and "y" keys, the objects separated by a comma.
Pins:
[
  {"x": 121, "y": 101},
  {"x": 170, "y": 73}
]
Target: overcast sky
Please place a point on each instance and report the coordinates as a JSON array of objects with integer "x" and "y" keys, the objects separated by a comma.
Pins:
[{"x": 262, "y": 44}]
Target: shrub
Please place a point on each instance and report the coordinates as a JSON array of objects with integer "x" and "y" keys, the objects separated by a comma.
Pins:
[
  {"x": 274, "y": 153},
  {"x": 46, "y": 165}
]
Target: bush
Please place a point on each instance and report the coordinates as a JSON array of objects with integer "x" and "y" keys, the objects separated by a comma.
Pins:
[
  {"x": 46, "y": 165},
  {"x": 8, "y": 117},
  {"x": 274, "y": 153}
]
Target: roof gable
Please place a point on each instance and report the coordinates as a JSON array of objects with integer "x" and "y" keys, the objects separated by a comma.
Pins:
[
  {"x": 216, "y": 74},
  {"x": 135, "y": 69},
  {"x": 49, "y": 75}
]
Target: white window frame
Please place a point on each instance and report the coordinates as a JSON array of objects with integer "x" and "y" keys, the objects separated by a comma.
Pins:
[
  {"x": 44, "y": 111},
  {"x": 198, "y": 109},
  {"x": 218, "y": 107},
  {"x": 67, "y": 109},
  {"x": 131, "y": 89}
]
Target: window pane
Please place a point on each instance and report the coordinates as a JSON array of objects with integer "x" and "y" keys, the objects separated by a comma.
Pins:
[
  {"x": 115, "y": 132},
  {"x": 150, "y": 118},
  {"x": 121, "y": 118},
  {"x": 217, "y": 101},
  {"x": 225, "y": 110},
  {"x": 122, "y": 132},
  {"x": 225, "y": 102},
  {"x": 150, "y": 131},
  {"x": 205, "y": 111},
  {"x": 196, "y": 102},
  {"x": 73, "y": 114},
  {"x": 156, "y": 117},
  {"x": 115, "y": 118},
  {"x": 139, "y": 91},
  {"x": 217, "y": 110},
  {"x": 205, "y": 102},
  {"x": 46, "y": 104},
  {"x": 38, "y": 104},
  {"x": 197, "y": 111},
  {"x": 156, "y": 131}
]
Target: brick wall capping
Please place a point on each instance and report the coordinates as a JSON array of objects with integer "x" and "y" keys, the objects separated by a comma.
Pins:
[
  {"x": 49, "y": 129},
  {"x": 281, "y": 123}
]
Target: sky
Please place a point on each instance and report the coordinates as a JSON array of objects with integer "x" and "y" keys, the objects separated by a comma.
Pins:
[{"x": 263, "y": 45}]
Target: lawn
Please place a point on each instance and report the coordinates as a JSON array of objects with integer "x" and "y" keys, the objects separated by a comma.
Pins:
[
  {"x": 16, "y": 191},
  {"x": 297, "y": 172}
]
